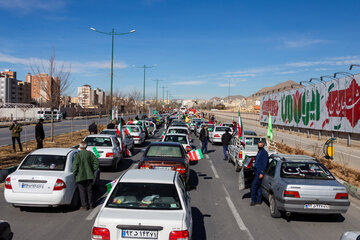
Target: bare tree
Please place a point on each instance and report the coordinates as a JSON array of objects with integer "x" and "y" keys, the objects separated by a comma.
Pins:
[{"x": 54, "y": 82}]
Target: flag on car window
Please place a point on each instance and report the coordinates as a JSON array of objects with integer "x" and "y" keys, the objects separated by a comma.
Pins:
[
  {"x": 128, "y": 131},
  {"x": 240, "y": 131},
  {"x": 195, "y": 155},
  {"x": 128, "y": 153},
  {"x": 162, "y": 135},
  {"x": 110, "y": 185}
]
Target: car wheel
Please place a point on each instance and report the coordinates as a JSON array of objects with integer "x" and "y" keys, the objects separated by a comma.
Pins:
[
  {"x": 274, "y": 211},
  {"x": 75, "y": 201},
  {"x": 237, "y": 167}
]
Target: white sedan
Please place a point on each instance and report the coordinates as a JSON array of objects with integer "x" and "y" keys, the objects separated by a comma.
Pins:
[
  {"x": 216, "y": 134},
  {"x": 44, "y": 178},
  {"x": 145, "y": 204},
  {"x": 179, "y": 138}
]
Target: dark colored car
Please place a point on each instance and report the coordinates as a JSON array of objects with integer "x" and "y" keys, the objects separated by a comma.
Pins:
[{"x": 166, "y": 156}]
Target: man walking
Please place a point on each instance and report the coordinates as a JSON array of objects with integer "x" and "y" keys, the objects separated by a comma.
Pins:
[
  {"x": 84, "y": 165},
  {"x": 261, "y": 162},
  {"x": 15, "y": 129},
  {"x": 39, "y": 133},
  {"x": 93, "y": 128},
  {"x": 225, "y": 139},
  {"x": 204, "y": 138}
]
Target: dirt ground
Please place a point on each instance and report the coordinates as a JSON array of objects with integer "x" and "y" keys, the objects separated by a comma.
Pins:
[
  {"x": 341, "y": 171},
  {"x": 8, "y": 158}
]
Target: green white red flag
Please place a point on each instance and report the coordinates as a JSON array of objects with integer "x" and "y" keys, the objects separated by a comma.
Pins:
[
  {"x": 195, "y": 155},
  {"x": 240, "y": 131},
  {"x": 128, "y": 153},
  {"x": 128, "y": 131}
]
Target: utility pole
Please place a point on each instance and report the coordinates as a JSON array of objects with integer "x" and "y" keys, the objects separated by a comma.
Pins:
[
  {"x": 163, "y": 88},
  {"x": 157, "y": 87},
  {"x": 144, "y": 67}
]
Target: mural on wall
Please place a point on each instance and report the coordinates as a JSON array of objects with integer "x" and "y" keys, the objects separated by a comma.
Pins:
[{"x": 331, "y": 106}]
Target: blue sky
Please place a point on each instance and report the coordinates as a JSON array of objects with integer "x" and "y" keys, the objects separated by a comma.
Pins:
[{"x": 197, "y": 45}]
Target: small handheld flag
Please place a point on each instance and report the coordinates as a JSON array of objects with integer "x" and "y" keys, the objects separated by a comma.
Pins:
[{"x": 195, "y": 155}]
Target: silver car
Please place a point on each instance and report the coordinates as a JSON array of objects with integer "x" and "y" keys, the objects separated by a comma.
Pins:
[
  {"x": 137, "y": 133},
  {"x": 215, "y": 136},
  {"x": 301, "y": 184},
  {"x": 127, "y": 138},
  {"x": 108, "y": 147}
]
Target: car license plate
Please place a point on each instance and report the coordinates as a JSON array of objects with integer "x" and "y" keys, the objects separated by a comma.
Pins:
[
  {"x": 32, "y": 185},
  {"x": 316, "y": 206},
  {"x": 163, "y": 168},
  {"x": 145, "y": 234}
]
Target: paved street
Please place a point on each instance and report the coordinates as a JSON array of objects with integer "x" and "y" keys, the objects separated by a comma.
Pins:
[
  {"x": 220, "y": 210},
  {"x": 62, "y": 127}
]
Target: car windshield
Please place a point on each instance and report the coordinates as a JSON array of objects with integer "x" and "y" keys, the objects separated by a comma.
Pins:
[
  {"x": 44, "y": 162},
  {"x": 178, "y": 130},
  {"x": 109, "y": 132},
  {"x": 133, "y": 128},
  {"x": 98, "y": 141},
  {"x": 250, "y": 141},
  {"x": 305, "y": 170},
  {"x": 251, "y": 133},
  {"x": 174, "y": 138},
  {"x": 221, "y": 129},
  {"x": 145, "y": 196},
  {"x": 164, "y": 151}
]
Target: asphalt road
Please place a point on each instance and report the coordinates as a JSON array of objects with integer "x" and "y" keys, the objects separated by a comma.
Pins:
[
  {"x": 65, "y": 126},
  {"x": 220, "y": 210}
]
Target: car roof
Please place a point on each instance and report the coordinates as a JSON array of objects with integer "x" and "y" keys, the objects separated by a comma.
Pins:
[
  {"x": 53, "y": 151},
  {"x": 110, "y": 130},
  {"x": 176, "y": 134},
  {"x": 164, "y": 144},
  {"x": 148, "y": 176},
  {"x": 294, "y": 158},
  {"x": 181, "y": 127},
  {"x": 100, "y": 135}
]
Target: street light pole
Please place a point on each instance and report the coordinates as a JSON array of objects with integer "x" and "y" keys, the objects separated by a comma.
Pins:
[
  {"x": 144, "y": 67},
  {"x": 112, "y": 33},
  {"x": 163, "y": 88},
  {"x": 157, "y": 87}
]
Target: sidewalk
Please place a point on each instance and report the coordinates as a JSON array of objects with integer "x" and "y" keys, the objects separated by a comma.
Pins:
[{"x": 349, "y": 156}]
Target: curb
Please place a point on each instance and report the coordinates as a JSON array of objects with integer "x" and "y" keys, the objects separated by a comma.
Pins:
[{"x": 353, "y": 191}]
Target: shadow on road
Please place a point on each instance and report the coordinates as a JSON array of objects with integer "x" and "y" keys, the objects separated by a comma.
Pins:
[
  {"x": 193, "y": 180},
  {"x": 314, "y": 218},
  {"x": 199, "y": 232},
  {"x": 125, "y": 164}
]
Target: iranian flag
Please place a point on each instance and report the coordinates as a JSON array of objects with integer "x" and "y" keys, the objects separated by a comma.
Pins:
[
  {"x": 195, "y": 155},
  {"x": 162, "y": 135},
  {"x": 128, "y": 153},
  {"x": 240, "y": 130},
  {"x": 128, "y": 131},
  {"x": 119, "y": 132}
]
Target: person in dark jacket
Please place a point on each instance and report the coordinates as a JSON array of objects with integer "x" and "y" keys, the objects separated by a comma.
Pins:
[
  {"x": 111, "y": 125},
  {"x": 225, "y": 139},
  {"x": 213, "y": 118},
  {"x": 93, "y": 128},
  {"x": 39, "y": 133},
  {"x": 204, "y": 138},
  {"x": 137, "y": 117},
  {"x": 261, "y": 162},
  {"x": 84, "y": 165},
  {"x": 15, "y": 129}
]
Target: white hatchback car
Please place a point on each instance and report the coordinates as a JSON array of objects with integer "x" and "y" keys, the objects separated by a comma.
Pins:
[
  {"x": 145, "y": 204},
  {"x": 137, "y": 133},
  {"x": 215, "y": 136},
  {"x": 179, "y": 138},
  {"x": 44, "y": 178}
]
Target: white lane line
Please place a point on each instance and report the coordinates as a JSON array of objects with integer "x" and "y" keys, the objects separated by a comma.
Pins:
[
  {"x": 93, "y": 213},
  {"x": 214, "y": 170},
  {"x": 236, "y": 214}
]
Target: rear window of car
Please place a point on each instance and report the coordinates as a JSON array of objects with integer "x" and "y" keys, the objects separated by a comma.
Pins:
[
  {"x": 179, "y": 139},
  {"x": 302, "y": 170},
  {"x": 164, "y": 151},
  {"x": 251, "y": 133},
  {"x": 44, "y": 162},
  {"x": 178, "y": 130},
  {"x": 133, "y": 128},
  {"x": 254, "y": 141},
  {"x": 221, "y": 129},
  {"x": 98, "y": 141},
  {"x": 147, "y": 196}
]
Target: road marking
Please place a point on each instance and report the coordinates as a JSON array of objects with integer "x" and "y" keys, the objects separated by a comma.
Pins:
[
  {"x": 236, "y": 214},
  {"x": 93, "y": 213},
  {"x": 214, "y": 170}
]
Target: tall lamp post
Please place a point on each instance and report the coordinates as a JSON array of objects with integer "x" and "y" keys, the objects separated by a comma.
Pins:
[
  {"x": 112, "y": 33},
  {"x": 157, "y": 87},
  {"x": 163, "y": 88},
  {"x": 144, "y": 67}
]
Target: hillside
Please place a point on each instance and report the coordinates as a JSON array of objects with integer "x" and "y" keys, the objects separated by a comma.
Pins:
[{"x": 277, "y": 88}]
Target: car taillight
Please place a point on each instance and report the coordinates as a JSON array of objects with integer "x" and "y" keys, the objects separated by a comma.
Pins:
[
  {"x": 342, "y": 196},
  {"x": 8, "y": 183},
  {"x": 136, "y": 136},
  {"x": 216, "y": 135},
  {"x": 240, "y": 154},
  {"x": 59, "y": 185},
  {"x": 293, "y": 194},
  {"x": 188, "y": 148},
  {"x": 179, "y": 235},
  {"x": 100, "y": 233},
  {"x": 181, "y": 170},
  {"x": 109, "y": 154},
  {"x": 144, "y": 166}
]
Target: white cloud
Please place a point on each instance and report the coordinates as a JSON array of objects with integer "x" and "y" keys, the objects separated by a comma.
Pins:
[
  {"x": 31, "y": 5},
  {"x": 188, "y": 83},
  {"x": 75, "y": 66},
  {"x": 302, "y": 42},
  {"x": 226, "y": 85},
  {"x": 288, "y": 72},
  {"x": 240, "y": 75}
]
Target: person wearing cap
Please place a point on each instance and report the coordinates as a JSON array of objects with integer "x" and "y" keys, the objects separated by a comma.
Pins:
[
  {"x": 225, "y": 140},
  {"x": 39, "y": 133},
  {"x": 84, "y": 166},
  {"x": 15, "y": 129}
]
